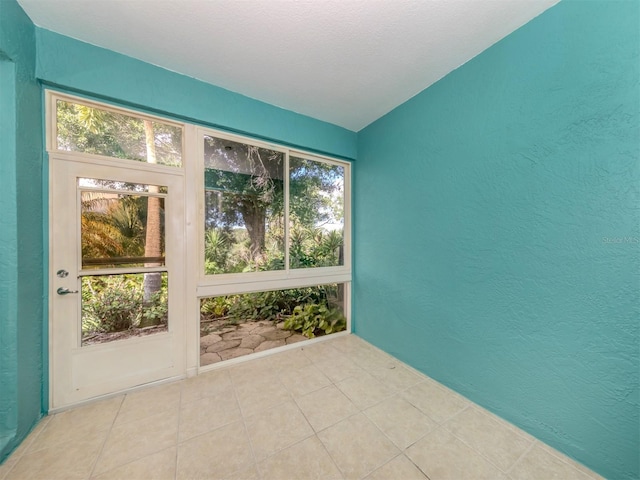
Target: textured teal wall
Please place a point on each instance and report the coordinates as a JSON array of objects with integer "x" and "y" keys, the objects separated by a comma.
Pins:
[
  {"x": 80, "y": 66},
  {"x": 21, "y": 234},
  {"x": 497, "y": 231}
]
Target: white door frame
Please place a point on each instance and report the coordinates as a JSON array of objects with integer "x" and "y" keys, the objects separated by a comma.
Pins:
[{"x": 76, "y": 373}]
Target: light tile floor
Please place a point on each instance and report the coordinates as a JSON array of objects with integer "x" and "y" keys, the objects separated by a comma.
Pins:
[{"x": 337, "y": 409}]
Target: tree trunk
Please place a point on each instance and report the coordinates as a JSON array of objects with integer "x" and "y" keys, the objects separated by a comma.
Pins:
[
  {"x": 254, "y": 216},
  {"x": 153, "y": 237}
]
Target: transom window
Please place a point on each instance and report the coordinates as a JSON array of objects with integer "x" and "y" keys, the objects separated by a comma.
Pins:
[{"x": 86, "y": 128}]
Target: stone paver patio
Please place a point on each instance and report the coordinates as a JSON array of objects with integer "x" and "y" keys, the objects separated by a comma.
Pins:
[{"x": 223, "y": 342}]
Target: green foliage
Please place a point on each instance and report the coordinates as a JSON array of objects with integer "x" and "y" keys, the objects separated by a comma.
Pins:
[
  {"x": 313, "y": 319},
  {"x": 315, "y": 192},
  {"x": 217, "y": 246},
  {"x": 114, "y": 226},
  {"x": 270, "y": 306},
  {"x": 99, "y": 238},
  {"x": 215, "y": 307},
  {"x": 244, "y": 198},
  {"x": 229, "y": 251},
  {"x": 115, "y": 303},
  {"x": 86, "y": 129},
  {"x": 243, "y": 188},
  {"x": 252, "y": 307},
  {"x": 313, "y": 247},
  {"x": 267, "y": 306}
]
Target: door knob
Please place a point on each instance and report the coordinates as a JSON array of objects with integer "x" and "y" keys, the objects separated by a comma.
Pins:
[{"x": 65, "y": 291}]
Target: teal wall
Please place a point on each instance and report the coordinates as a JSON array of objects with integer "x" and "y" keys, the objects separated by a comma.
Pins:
[
  {"x": 497, "y": 231},
  {"x": 21, "y": 234},
  {"x": 79, "y": 66},
  {"x": 496, "y": 218}
]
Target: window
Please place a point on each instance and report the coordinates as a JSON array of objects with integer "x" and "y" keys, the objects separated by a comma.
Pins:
[
  {"x": 316, "y": 218},
  {"x": 232, "y": 326},
  {"x": 259, "y": 219},
  {"x": 82, "y": 127},
  {"x": 275, "y": 260},
  {"x": 124, "y": 282},
  {"x": 244, "y": 207},
  {"x": 176, "y": 225},
  {"x": 120, "y": 222}
]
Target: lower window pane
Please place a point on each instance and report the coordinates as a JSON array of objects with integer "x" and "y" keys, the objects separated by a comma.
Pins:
[
  {"x": 116, "y": 307},
  {"x": 235, "y": 325}
]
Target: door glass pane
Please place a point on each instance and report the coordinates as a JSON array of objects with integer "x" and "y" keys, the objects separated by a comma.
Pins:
[
  {"x": 82, "y": 128},
  {"x": 116, "y": 307},
  {"x": 244, "y": 207},
  {"x": 235, "y": 325},
  {"x": 316, "y": 205},
  {"x": 122, "y": 230}
]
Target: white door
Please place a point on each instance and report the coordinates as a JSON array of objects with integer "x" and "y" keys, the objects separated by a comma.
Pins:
[{"x": 116, "y": 284}]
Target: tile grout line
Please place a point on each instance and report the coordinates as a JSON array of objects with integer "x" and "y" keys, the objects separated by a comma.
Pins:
[
  {"x": 356, "y": 348},
  {"x": 520, "y": 458},
  {"x": 402, "y": 449},
  {"x": 399, "y": 393},
  {"x": 413, "y": 463},
  {"x": 438, "y": 426},
  {"x": 359, "y": 410},
  {"x": 244, "y": 424},
  {"x": 324, "y": 447},
  {"x": 568, "y": 460},
  {"x": 27, "y": 447},
  {"x": 394, "y": 392},
  {"x": 175, "y": 464},
  {"x": 106, "y": 438},
  {"x": 315, "y": 434},
  {"x": 558, "y": 455},
  {"x": 491, "y": 462},
  {"x": 293, "y": 400},
  {"x": 294, "y": 443}
]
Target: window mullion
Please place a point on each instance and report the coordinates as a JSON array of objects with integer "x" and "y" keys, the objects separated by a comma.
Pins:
[{"x": 286, "y": 212}]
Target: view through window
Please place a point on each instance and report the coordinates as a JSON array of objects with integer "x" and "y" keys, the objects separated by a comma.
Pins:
[
  {"x": 272, "y": 221},
  {"x": 246, "y": 197}
]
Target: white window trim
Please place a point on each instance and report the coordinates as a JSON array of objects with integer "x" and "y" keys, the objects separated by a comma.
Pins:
[
  {"x": 198, "y": 285},
  {"x": 230, "y": 283}
]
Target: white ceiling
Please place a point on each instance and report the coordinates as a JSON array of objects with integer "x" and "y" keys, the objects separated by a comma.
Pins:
[{"x": 347, "y": 62}]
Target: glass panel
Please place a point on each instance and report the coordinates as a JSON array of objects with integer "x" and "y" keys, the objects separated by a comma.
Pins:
[
  {"x": 122, "y": 230},
  {"x": 82, "y": 128},
  {"x": 115, "y": 307},
  {"x": 316, "y": 205},
  {"x": 244, "y": 207},
  {"x": 235, "y": 325},
  {"x": 116, "y": 185}
]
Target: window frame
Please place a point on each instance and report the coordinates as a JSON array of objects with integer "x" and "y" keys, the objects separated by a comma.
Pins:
[
  {"x": 197, "y": 285},
  {"x": 246, "y": 282}
]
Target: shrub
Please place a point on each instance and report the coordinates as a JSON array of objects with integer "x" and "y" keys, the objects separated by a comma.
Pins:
[
  {"x": 266, "y": 306},
  {"x": 115, "y": 303},
  {"x": 215, "y": 307},
  {"x": 313, "y": 319}
]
